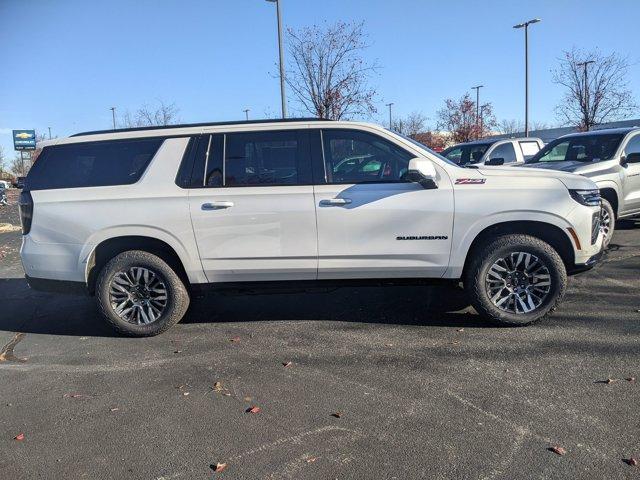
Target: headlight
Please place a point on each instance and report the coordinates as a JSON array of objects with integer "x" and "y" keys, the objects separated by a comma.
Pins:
[{"x": 590, "y": 198}]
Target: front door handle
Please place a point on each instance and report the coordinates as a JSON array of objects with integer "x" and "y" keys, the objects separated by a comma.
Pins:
[
  {"x": 217, "y": 205},
  {"x": 332, "y": 202}
]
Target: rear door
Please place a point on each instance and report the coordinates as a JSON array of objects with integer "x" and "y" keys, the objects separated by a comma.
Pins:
[
  {"x": 371, "y": 222},
  {"x": 252, "y": 206}
]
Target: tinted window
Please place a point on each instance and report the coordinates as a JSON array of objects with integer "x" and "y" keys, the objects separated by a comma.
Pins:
[
  {"x": 94, "y": 164},
  {"x": 633, "y": 146},
  {"x": 505, "y": 151},
  {"x": 465, "y": 154},
  {"x": 583, "y": 148},
  {"x": 353, "y": 156},
  {"x": 263, "y": 158}
]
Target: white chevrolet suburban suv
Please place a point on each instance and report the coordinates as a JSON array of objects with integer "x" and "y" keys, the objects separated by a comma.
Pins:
[{"x": 143, "y": 218}]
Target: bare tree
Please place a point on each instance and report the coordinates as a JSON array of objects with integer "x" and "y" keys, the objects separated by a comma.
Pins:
[
  {"x": 541, "y": 126},
  {"x": 511, "y": 127},
  {"x": 2, "y": 160},
  {"x": 146, "y": 116},
  {"x": 411, "y": 125},
  {"x": 20, "y": 166},
  {"x": 600, "y": 95},
  {"x": 459, "y": 117},
  {"x": 327, "y": 73}
]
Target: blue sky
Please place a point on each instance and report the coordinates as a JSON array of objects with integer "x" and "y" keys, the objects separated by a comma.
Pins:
[{"x": 64, "y": 63}]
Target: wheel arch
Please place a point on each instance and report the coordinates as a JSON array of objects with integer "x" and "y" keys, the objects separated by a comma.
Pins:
[
  {"x": 547, "y": 232},
  {"x": 109, "y": 248},
  {"x": 611, "y": 195}
]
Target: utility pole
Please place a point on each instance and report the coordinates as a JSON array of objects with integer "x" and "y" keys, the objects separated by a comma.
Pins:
[
  {"x": 477, "y": 89},
  {"x": 525, "y": 25},
  {"x": 390, "y": 119},
  {"x": 113, "y": 115},
  {"x": 246, "y": 114},
  {"x": 49, "y": 132},
  {"x": 585, "y": 64},
  {"x": 281, "y": 55}
]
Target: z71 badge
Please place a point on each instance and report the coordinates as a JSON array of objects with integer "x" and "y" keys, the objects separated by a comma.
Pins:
[{"x": 470, "y": 181}]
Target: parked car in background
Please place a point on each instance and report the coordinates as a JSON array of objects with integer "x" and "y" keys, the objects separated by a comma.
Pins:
[
  {"x": 3, "y": 194},
  {"x": 5, "y": 184},
  {"x": 494, "y": 152},
  {"x": 611, "y": 158},
  {"x": 19, "y": 183},
  {"x": 142, "y": 218}
]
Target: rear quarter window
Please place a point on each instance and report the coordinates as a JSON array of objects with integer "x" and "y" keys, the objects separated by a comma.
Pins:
[{"x": 92, "y": 164}]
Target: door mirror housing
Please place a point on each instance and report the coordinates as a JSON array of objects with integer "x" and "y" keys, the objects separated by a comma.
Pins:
[
  {"x": 494, "y": 162},
  {"x": 630, "y": 158},
  {"x": 422, "y": 171}
]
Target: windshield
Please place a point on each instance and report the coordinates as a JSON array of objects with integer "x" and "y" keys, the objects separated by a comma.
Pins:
[
  {"x": 423, "y": 147},
  {"x": 466, "y": 154},
  {"x": 581, "y": 148}
]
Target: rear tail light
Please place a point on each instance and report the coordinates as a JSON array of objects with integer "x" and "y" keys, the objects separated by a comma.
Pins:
[{"x": 25, "y": 203}]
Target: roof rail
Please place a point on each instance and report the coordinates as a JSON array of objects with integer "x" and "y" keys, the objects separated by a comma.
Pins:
[{"x": 206, "y": 124}]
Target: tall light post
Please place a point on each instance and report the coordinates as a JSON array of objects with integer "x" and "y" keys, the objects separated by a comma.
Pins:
[
  {"x": 246, "y": 114},
  {"x": 113, "y": 116},
  {"x": 390, "y": 122},
  {"x": 585, "y": 64},
  {"x": 49, "y": 132},
  {"x": 477, "y": 89},
  {"x": 525, "y": 25},
  {"x": 281, "y": 55}
]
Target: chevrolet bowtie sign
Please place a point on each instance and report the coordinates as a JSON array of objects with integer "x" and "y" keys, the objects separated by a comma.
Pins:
[{"x": 24, "y": 139}]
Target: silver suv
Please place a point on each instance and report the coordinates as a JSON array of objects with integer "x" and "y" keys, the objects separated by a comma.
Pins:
[
  {"x": 611, "y": 158},
  {"x": 493, "y": 152}
]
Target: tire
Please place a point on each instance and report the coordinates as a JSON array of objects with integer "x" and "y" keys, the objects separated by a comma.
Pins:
[
  {"x": 481, "y": 280},
  {"x": 117, "y": 285},
  {"x": 608, "y": 219}
]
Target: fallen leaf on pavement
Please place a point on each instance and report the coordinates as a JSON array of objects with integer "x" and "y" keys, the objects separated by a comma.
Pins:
[
  {"x": 185, "y": 394},
  {"x": 460, "y": 330},
  {"x": 558, "y": 450},
  {"x": 630, "y": 461},
  {"x": 217, "y": 386},
  {"x": 337, "y": 414},
  {"x": 235, "y": 339},
  {"x": 218, "y": 467},
  {"x": 178, "y": 351},
  {"x": 253, "y": 410},
  {"x": 74, "y": 395},
  {"x": 19, "y": 437},
  {"x": 287, "y": 364},
  {"x": 631, "y": 379},
  {"x": 114, "y": 409},
  {"x": 312, "y": 459}
]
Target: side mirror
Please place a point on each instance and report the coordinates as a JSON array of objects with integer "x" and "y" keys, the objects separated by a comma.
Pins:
[
  {"x": 630, "y": 158},
  {"x": 494, "y": 162},
  {"x": 423, "y": 172}
]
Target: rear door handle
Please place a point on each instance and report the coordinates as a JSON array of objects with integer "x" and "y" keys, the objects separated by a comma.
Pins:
[
  {"x": 217, "y": 205},
  {"x": 333, "y": 202}
]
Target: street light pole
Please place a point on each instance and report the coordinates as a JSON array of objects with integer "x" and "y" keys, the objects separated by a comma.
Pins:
[
  {"x": 281, "y": 55},
  {"x": 113, "y": 115},
  {"x": 585, "y": 64},
  {"x": 390, "y": 123},
  {"x": 49, "y": 132},
  {"x": 525, "y": 25},
  {"x": 477, "y": 89},
  {"x": 246, "y": 113}
]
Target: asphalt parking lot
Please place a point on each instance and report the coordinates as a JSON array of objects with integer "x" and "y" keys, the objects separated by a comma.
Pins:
[{"x": 395, "y": 382}]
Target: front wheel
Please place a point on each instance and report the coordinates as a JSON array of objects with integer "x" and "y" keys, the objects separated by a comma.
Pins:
[
  {"x": 140, "y": 295},
  {"x": 607, "y": 222},
  {"x": 515, "y": 280}
]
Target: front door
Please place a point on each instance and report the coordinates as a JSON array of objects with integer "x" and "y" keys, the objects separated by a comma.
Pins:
[
  {"x": 253, "y": 214},
  {"x": 372, "y": 223}
]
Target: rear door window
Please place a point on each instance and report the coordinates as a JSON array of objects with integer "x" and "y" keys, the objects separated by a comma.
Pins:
[{"x": 92, "y": 164}]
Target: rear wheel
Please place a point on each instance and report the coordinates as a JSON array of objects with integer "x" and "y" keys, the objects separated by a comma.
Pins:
[
  {"x": 140, "y": 295},
  {"x": 515, "y": 280},
  {"x": 607, "y": 222}
]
